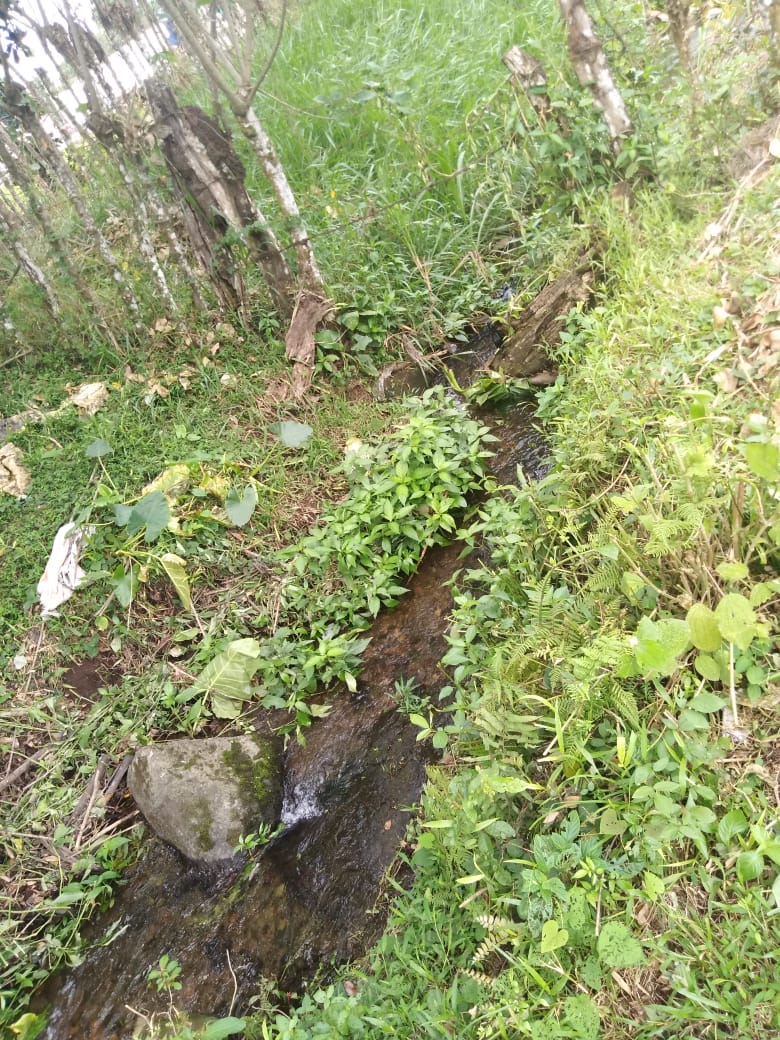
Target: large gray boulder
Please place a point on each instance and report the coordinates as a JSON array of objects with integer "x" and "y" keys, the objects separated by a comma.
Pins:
[{"x": 202, "y": 795}]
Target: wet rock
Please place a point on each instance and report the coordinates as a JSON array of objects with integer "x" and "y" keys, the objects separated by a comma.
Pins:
[{"x": 202, "y": 795}]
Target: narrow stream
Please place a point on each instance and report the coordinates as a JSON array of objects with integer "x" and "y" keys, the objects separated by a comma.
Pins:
[{"x": 314, "y": 895}]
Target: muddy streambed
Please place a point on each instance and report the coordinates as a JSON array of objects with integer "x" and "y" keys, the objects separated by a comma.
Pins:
[{"x": 314, "y": 895}]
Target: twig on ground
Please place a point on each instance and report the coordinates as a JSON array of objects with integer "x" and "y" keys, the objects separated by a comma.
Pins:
[
  {"x": 22, "y": 768},
  {"x": 81, "y": 813},
  {"x": 235, "y": 983},
  {"x": 116, "y": 779}
]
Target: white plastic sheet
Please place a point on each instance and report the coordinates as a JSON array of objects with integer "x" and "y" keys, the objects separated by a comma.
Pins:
[{"x": 63, "y": 573}]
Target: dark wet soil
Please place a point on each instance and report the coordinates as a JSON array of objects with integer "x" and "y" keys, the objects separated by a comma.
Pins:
[
  {"x": 84, "y": 679},
  {"x": 313, "y": 895}
]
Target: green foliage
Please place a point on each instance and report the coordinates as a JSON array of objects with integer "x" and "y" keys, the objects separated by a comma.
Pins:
[
  {"x": 404, "y": 495},
  {"x": 166, "y": 975}
]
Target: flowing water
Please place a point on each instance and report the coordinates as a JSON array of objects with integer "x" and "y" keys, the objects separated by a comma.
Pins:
[{"x": 314, "y": 895}]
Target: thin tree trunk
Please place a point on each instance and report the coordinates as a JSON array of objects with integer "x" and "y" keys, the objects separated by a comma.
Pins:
[
  {"x": 12, "y": 161},
  {"x": 773, "y": 13},
  {"x": 11, "y": 225},
  {"x": 264, "y": 150},
  {"x": 590, "y": 63}
]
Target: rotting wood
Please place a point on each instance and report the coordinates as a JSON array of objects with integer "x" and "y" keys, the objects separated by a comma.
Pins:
[
  {"x": 210, "y": 177},
  {"x": 534, "y": 332},
  {"x": 310, "y": 311}
]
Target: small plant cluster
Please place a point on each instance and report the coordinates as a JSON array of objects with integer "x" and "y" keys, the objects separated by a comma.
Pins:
[{"x": 405, "y": 495}]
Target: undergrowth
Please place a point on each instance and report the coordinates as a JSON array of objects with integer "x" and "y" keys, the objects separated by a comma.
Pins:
[
  {"x": 597, "y": 853},
  {"x": 603, "y": 860}
]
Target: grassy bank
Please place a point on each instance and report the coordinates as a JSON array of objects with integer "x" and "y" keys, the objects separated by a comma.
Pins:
[{"x": 596, "y": 854}]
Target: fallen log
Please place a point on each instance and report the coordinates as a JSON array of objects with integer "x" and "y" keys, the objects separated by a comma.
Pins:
[{"x": 527, "y": 351}]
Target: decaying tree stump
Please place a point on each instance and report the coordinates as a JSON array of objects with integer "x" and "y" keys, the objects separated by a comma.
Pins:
[
  {"x": 310, "y": 310},
  {"x": 210, "y": 177},
  {"x": 537, "y": 329}
]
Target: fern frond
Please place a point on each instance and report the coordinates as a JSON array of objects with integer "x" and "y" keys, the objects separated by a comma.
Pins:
[
  {"x": 622, "y": 703},
  {"x": 484, "y": 980}
]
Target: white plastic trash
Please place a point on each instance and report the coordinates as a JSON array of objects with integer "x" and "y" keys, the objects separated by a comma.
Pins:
[{"x": 63, "y": 574}]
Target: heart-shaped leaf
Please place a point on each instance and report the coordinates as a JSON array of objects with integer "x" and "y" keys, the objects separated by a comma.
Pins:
[
  {"x": 763, "y": 459},
  {"x": 291, "y": 434},
  {"x": 151, "y": 512},
  {"x": 617, "y": 947},
  {"x": 226, "y": 678},
  {"x": 707, "y": 667},
  {"x": 750, "y": 865},
  {"x": 553, "y": 937},
  {"x": 97, "y": 448},
  {"x": 705, "y": 634},
  {"x": 240, "y": 507},
  {"x": 736, "y": 620}
]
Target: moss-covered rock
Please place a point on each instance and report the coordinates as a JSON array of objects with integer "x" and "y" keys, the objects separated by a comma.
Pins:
[{"x": 202, "y": 795}]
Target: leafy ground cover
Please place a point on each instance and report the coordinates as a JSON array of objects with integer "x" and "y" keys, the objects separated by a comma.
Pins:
[{"x": 597, "y": 854}]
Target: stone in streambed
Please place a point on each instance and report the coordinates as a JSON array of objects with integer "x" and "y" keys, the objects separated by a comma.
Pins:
[{"x": 202, "y": 795}]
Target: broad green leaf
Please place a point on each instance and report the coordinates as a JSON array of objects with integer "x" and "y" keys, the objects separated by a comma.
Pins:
[
  {"x": 125, "y": 584},
  {"x": 68, "y": 896},
  {"x": 750, "y": 865},
  {"x": 762, "y": 592},
  {"x": 691, "y": 721},
  {"x": 240, "y": 507},
  {"x": 675, "y": 634},
  {"x": 732, "y": 824},
  {"x": 705, "y": 634},
  {"x": 707, "y": 702},
  {"x": 553, "y": 937},
  {"x": 732, "y": 571},
  {"x": 653, "y": 885},
  {"x": 176, "y": 569},
  {"x": 291, "y": 434},
  {"x": 610, "y": 823},
  {"x": 736, "y": 620},
  {"x": 122, "y": 514},
  {"x": 97, "y": 448},
  {"x": 469, "y": 879},
  {"x": 420, "y": 721},
  {"x": 659, "y": 644},
  {"x": 150, "y": 512},
  {"x": 700, "y": 816},
  {"x": 226, "y": 678},
  {"x": 223, "y": 1027},
  {"x": 763, "y": 459},
  {"x": 617, "y": 947},
  {"x": 707, "y": 667},
  {"x": 590, "y": 973}
]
